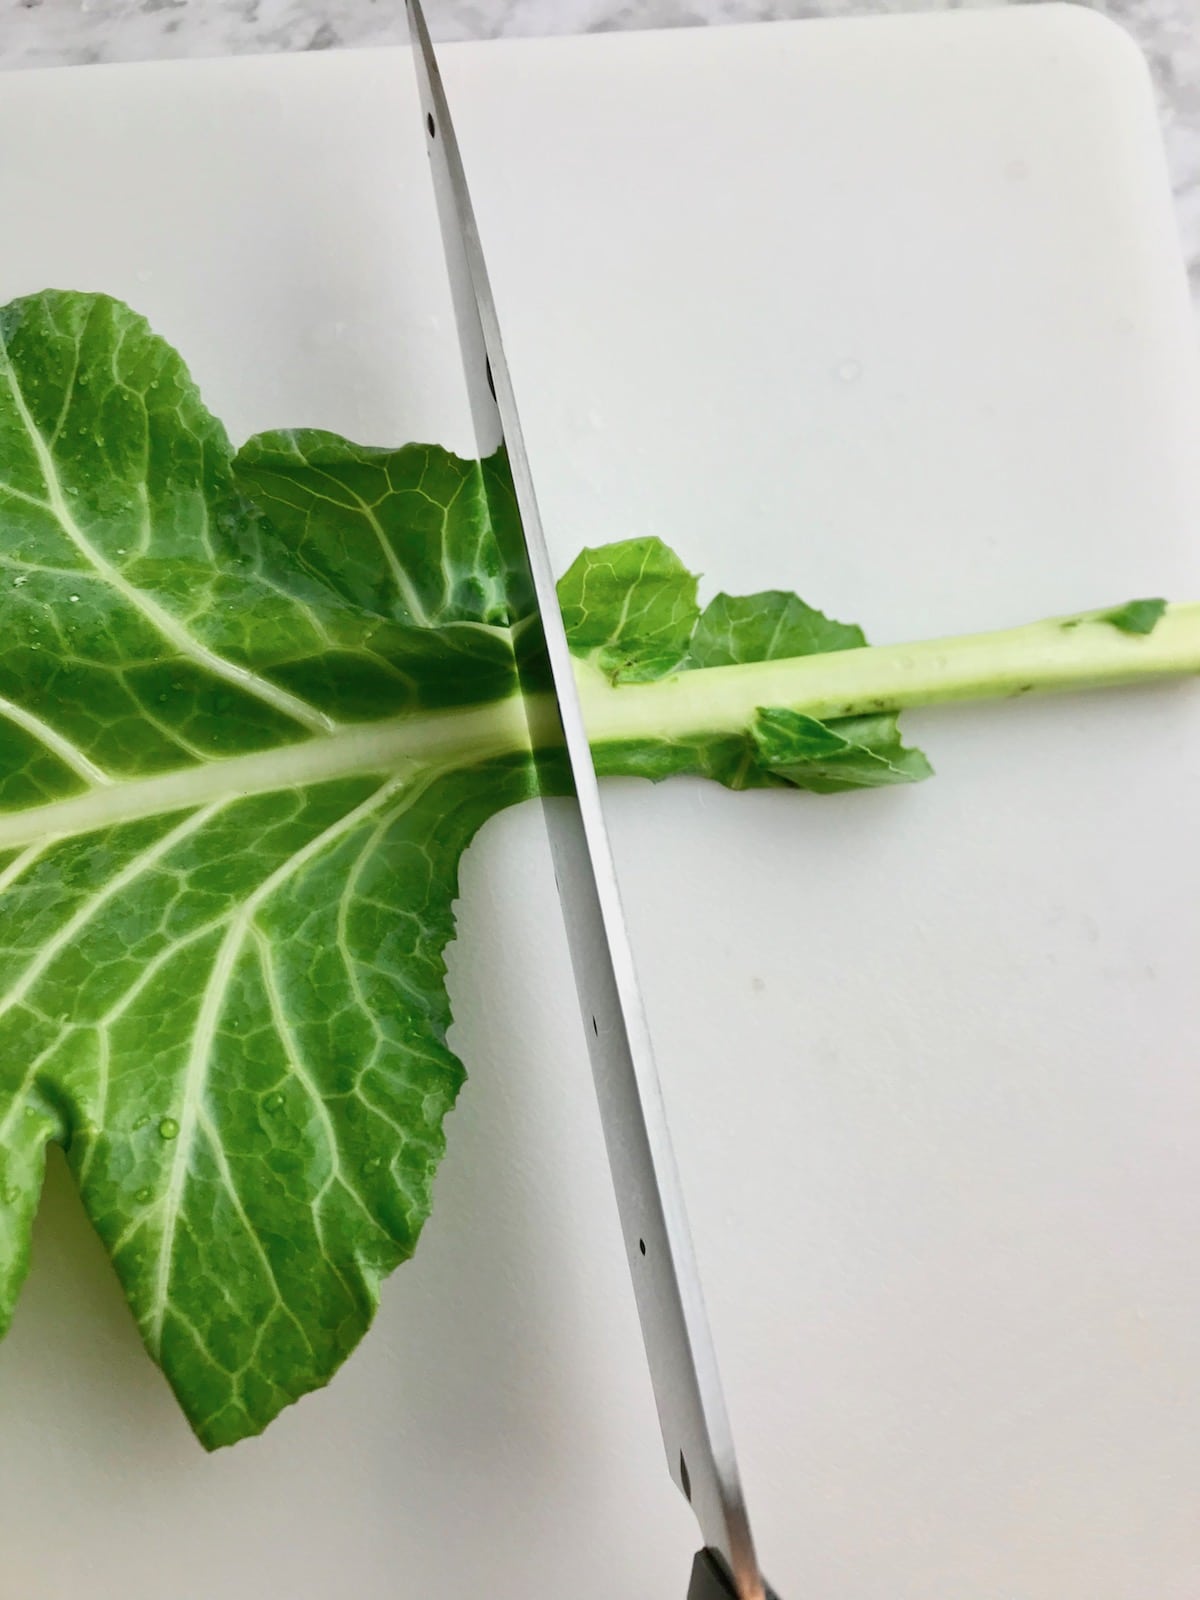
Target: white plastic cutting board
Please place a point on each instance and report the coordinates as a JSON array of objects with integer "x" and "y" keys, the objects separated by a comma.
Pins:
[{"x": 891, "y": 312}]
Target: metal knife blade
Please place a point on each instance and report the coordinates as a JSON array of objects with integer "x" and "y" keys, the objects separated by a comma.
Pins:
[{"x": 675, "y": 1330}]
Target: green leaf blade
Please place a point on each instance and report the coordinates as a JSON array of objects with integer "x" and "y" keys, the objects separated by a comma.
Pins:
[
  {"x": 402, "y": 533},
  {"x": 830, "y": 757},
  {"x": 247, "y": 1040},
  {"x": 766, "y": 627},
  {"x": 227, "y": 1001},
  {"x": 630, "y": 608},
  {"x": 1135, "y": 616}
]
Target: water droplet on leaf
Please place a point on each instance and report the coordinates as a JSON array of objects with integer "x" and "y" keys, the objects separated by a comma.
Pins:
[
  {"x": 141, "y": 1123},
  {"x": 143, "y": 1196},
  {"x": 73, "y": 598},
  {"x": 168, "y": 1128},
  {"x": 11, "y": 1195},
  {"x": 372, "y": 1166},
  {"x": 273, "y": 1102}
]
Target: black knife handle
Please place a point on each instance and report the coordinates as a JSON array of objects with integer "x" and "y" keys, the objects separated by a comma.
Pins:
[{"x": 709, "y": 1581}]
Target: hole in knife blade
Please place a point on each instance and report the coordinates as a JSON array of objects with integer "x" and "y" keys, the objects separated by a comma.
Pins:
[
  {"x": 685, "y": 1478},
  {"x": 491, "y": 382},
  {"x": 595, "y": 1028},
  {"x": 642, "y": 1246},
  {"x": 430, "y": 124}
]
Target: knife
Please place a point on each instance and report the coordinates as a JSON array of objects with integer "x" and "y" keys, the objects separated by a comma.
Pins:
[{"x": 670, "y": 1302}]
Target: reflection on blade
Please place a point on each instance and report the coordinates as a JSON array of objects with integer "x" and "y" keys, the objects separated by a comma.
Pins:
[{"x": 678, "y": 1342}]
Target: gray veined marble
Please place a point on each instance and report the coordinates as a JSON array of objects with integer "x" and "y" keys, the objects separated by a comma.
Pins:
[{"x": 53, "y": 32}]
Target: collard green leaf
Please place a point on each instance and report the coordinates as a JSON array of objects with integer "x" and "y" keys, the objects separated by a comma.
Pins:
[
  {"x": 234, "y": 1018},
  {"x": 828, "y": 757},
  {"x": 781, "y": 748},
  {"x": 401, "y": 533},
  {"x": 221, "y": 979},
  {"x": 253, "y": 708},
  {"x": 1136, "y": 616},
  {"x": 766, "y": 627},
  {"x": 630, "y": 608}
]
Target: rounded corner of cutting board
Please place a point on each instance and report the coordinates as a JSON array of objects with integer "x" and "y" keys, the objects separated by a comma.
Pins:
[{"x": 1096, "y": 36}]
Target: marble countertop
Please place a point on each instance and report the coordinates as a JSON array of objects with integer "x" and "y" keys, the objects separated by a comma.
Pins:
[{"x": 57, "y": 32}]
